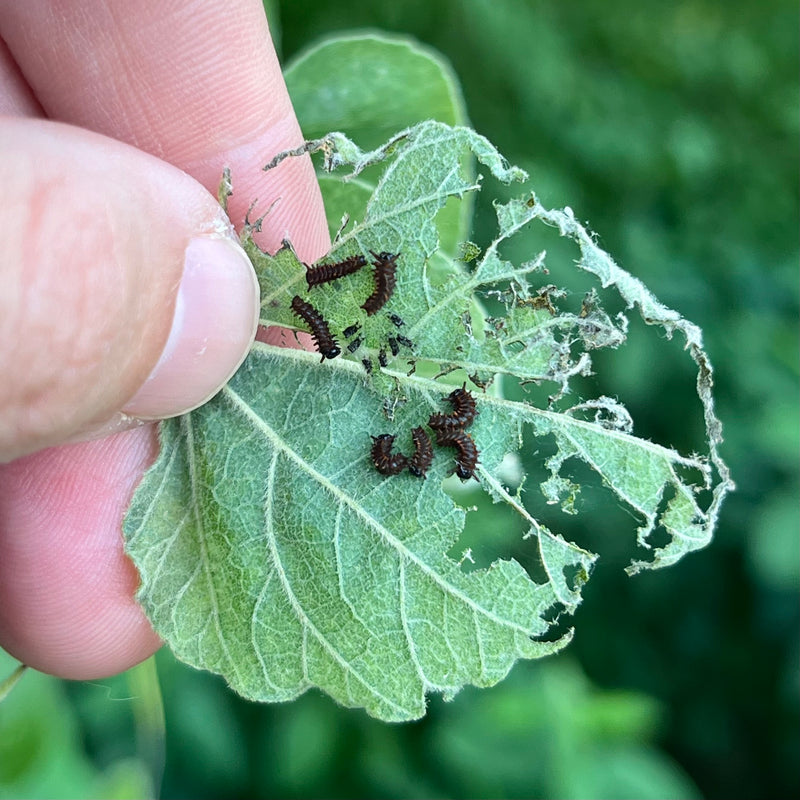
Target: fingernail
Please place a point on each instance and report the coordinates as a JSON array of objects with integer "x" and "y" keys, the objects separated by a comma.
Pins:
[{"x": 215, "y": 321}]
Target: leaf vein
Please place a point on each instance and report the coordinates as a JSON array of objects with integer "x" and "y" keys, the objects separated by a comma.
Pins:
[{"x": 239, "y": 403}]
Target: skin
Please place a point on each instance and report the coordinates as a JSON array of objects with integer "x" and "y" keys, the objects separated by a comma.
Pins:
[{"x": 197, "y": 86}]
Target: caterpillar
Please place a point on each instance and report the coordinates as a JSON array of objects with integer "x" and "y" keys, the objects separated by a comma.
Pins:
[
  {"x": 463, "y": 405},
  {"x": 464, "y": 412},
  {"x": 331, "y": 272},
  {"x": 423, "y": 453},
  {"x": 385, "y": 461},
  {"x": 320, "y": 332},
  {"x": 444, "y": 425},
  {"x": 385, "y": 280},
  {"x": 467, "y": 452}
]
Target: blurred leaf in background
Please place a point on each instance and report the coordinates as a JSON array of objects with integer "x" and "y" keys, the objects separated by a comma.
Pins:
[
  {"x": 544, "y": 732},
  {"x": 42, "y": 751},
  {"x": 672, "y": 128}
]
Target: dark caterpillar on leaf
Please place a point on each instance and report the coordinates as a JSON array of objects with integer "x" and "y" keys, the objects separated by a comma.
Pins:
[
  {"x": 331, "y": 272},
  {"x": 464, "y": 412},
  {"x": 423, "y": 453},
  {"x": 385, "y": 281},
  {"x": 320, "y": 332},
  {"x": 463, "y": 405},
  {"x": 466, "y": 455},
  {"x": 385, "y": 461}
]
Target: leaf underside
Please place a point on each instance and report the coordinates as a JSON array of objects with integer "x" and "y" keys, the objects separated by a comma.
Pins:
[{"x": 270, "y": 549}]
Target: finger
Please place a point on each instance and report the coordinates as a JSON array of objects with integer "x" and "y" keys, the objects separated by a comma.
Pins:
[
  {"x": 67, "y": 608},
  {"x": 16, "y": 97},
  {"x": 200, "y": 97},
  {"x": 196, "y": 84},
  {"x": 121, "y": 287}
]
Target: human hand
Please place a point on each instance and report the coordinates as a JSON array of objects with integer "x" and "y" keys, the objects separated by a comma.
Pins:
[{"x": 102, "y": 233}]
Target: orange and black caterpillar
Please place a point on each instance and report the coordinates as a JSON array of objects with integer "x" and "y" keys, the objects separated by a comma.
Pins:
[
  {"x": 467, "y": 452},
  {"x": 464, "y": 412},
  {"x": 423, "y": 453},
  {"x": 385, "y": 461},
  {"x": 323, "y": 273},
  {"x": 320, "y": 332},
  {"x": 385, "y": 280}
]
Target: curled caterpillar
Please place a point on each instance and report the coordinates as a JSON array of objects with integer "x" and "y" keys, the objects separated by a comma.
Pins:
[
  {"x": 466, "y": 452},
  {"x": 423, "y": 453},
  {"x": 463, "y": 405},
  {"x": 323, "y": 273},
  {"x": 320, "y": 332},
  {"x": 464, "y": 412},
  {"x": 385, "y": 461},
  {"x": 385, "y": 280}
]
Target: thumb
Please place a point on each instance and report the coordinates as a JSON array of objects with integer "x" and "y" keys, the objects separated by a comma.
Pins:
[{"x": 123, "y": 292}]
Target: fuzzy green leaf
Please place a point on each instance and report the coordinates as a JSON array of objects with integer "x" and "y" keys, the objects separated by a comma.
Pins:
[
  {"x": 372, "y": 85},
  {"x": 272, "y": 551},
  {"x": 290, "y": 562}
]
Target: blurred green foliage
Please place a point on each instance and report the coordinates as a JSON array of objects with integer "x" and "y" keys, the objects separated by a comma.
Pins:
[
  {"x": 41, "y": 748},
  {"x": 672, "y": 128}
]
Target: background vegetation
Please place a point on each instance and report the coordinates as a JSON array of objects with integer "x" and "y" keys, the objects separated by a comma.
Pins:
[{"x": 672, "y": 128}]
